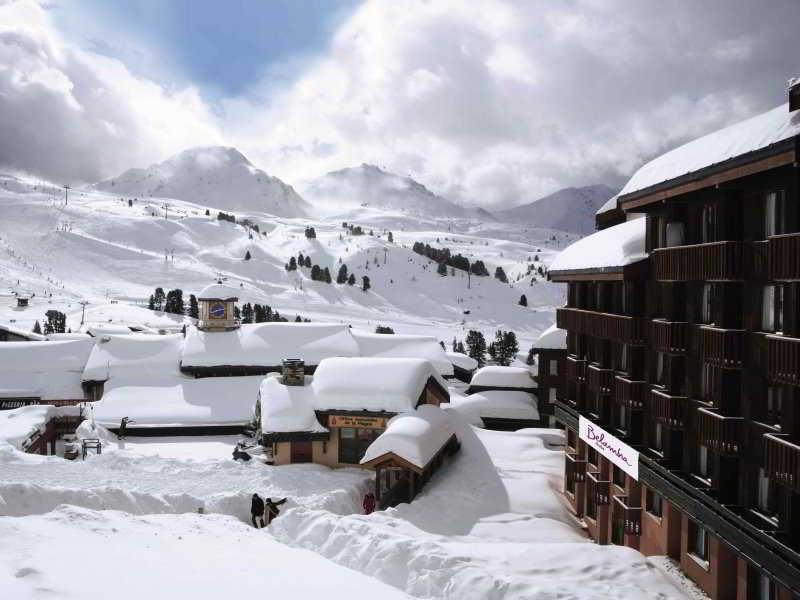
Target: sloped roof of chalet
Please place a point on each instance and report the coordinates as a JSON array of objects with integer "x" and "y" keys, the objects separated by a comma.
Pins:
[
  {"x": 142, "y": 359},
  {"x": 50, "y": 370},
  {"x": 384, "y": 345},
  {"x": 606, "y": 250}
]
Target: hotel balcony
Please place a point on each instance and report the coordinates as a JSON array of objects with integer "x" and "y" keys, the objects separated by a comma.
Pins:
[
  {"x": 575, "y": 468},
  {"x": 783, "y": 359},
  {"x": 629, "y": 518},
  {"x": 620, "y": 328},
  {"x": 576, "y": 368},
  {"x": 668, "y": 409},
  {"x": 782, "y": 460},
  {"x": 671, "y": 337},
  {"x": 783, "y": 257},
  {"x": 599, "y": 379},
  {"x": 598, "y": 489},
  {"x": 716, "y": 261},
  {"x": 629, "y": 393},
  {"x": 723, "y": 347},
  {"x": 721, "y": 434}
]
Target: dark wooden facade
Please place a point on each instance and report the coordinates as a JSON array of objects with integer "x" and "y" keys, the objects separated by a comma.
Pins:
[
  {"x": 550, "y": 368},
  {"x": 696, "y": 362}
]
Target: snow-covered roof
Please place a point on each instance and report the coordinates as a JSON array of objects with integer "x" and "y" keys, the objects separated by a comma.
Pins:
[
  {"x": 28, "y": 335},
  {"x": 135, "y": 360},
  {"x": 415, "y": 436},
  {"x": 17, "y": 425},
  {"x": 404, "y": 346},
  {"x": 288, "y": 408},
  {"x": 747, "y": 136},
  {"x": 552, "y": 338},
  {"x": 217, "y": 291},
  {"x": 374, "y": 384},
  {"x": 75, "y": 335},
  {"x": 614, "y": 247},
  {"x": 610, "y": 204},
  {"x": 206, "y": 401},
  {"x": 503, "y": 377},
  {"x": 47, "y": 370},
  {"x": 499, "y": 404},
  {"x": 102, "y": 329},
  {"x": 267, "y": 344},
  {"x": 459, "y": 359}
]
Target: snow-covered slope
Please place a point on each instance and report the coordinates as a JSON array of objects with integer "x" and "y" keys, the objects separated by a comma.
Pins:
[
  {"x": 213, "y": 176},
  {"x": 369, "y": 185},
  {"x": 570, "y": 209}
]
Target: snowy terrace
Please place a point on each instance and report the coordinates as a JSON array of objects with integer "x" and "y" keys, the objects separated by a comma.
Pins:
[
  {"x": 493, "y": 377},
  {"x": 19, "y": 427}
]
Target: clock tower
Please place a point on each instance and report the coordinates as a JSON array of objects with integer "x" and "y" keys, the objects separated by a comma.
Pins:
[{"x": 216, "y": 303}]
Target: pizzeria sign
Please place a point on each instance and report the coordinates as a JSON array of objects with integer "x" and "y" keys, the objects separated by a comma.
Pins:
[{"x": 618, "y": 452}]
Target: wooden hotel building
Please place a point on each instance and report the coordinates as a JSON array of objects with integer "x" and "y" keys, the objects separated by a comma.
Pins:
[{"x": 683, "y": 321}]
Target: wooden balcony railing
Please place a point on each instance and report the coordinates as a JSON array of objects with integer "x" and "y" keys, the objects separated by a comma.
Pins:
[
  {"x": 668, "y": 409},
  {"x": 783, "y": 359},
  {"x": 575, "y": 468},
  {"x": 598, "y": 489},
  {"x": 720, "y": 433},
  {"x": 723, "y": 347},
  {"x": 784, "y": 257},
  {"x": 576, "y": 368},
  {"x": 599, "y": 379},
  {"x": 629, "y": 518},
  {"x": 716, "y": 261},
  {"x": 671, "y": 337},
  {"x": 620, "y": 328},
  {"x": 629, "y": 393},
  {"x": 782, "y": 460}
]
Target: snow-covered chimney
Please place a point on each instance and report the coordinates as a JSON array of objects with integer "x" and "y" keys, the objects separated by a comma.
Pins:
[
  {"x": 294, "y": 372},
  {"x": 794, "y": 93}
]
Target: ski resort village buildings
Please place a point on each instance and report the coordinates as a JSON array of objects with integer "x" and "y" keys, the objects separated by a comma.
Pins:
[{"x": 680, "y": 396}]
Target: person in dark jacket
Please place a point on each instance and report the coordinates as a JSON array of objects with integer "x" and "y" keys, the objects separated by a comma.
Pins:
[
  {"x": 240, "y": 455},
  {"x": 369, "y": 503},
  {"x": 123, "y": 427},
  {"x": 271, "y": 509},
  {"x": 257, "y": 511}
]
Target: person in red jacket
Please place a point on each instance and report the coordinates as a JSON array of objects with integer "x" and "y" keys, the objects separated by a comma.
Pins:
[{"x": 369, "y": 503}]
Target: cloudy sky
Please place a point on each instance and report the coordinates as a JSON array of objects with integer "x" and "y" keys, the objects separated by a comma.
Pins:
[{"x": 489, "y": 102}]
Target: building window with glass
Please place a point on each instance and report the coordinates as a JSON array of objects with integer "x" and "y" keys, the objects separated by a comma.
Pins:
[
  {"x": 772, "y": 308},
  {"x": 353, "y": 443},
  {"x": 775, "y": 213},
  {"x": 553, "y": 367},
  {"x": 698, "y": 541},
  {"x": 774, "y": 405},
  {"x": 654, "y": 503}
]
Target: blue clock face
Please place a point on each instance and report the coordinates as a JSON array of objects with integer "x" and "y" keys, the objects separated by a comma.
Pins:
[{"x": 217, "y": 311}]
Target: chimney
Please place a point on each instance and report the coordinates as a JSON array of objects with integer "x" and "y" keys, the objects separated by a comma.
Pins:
[
  {"x": 794, "y": 93},
  {"x": 294, "y": 372}
]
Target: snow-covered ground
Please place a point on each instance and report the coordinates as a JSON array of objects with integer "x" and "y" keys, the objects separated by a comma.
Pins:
[{"x": 490, "y": 525}]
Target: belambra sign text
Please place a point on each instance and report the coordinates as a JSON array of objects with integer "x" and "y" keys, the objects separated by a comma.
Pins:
[{"x": 619, "y": 453}]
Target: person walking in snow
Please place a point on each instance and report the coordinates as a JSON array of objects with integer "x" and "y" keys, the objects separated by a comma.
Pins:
[
  {"x": 123, "y": 427},
  {"x": 369, "y": 503},
  {"x": 271, "y": 509},
  {"x": 257, "y": 511}
]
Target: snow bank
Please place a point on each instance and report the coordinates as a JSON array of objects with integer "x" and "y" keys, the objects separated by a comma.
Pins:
[
  {"x": 414, "y": 436},
  {"x": 461, "y": 360},
  {"x": 747, "y": 136},
  {"x": 499, "y": 404},
  {"x": 208, "y": 401},
  {"x": 616, "y": 246},
  {"x": 552, "y": 338},
  {"x": 29, "y": 335},
  {"x": 288, "y": 408},
  {"x": 136, "y": 360},
  {"x": 404, "y": 346},
  {"x": 46, "y": 370},
  {"x": 267, "y": 344},
  {"x": 17, "y": 425},
  {"x": 503, "y": 377},
  {"x": 377, "y": 384}
]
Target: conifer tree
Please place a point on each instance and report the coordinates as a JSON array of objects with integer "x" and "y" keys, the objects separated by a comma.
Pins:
[
  {"x": 384, "y": 329},
  {"x": 247, "y": 255},
  {"x": 308, "y": 262},
  {"x": 351, "y": 280},
  {"x": 56, "y": 322},
  {"x": 365, "y": 284},
  {"x": 37, "y": 328},
  {"x": 247, "y": 313},
  {"x": 326, "y": 275},
  {"x": 442, "y": 269},
  {"x": 292, "y": 265},
  {"x": 342, "y": 276},
  {"x": 523, "y": 300},
  {"x": 476, "y": 345},
  {"x": 530, "y": 360},
  {"x": 151, "y": 303},
  {"x": 316, "y": 273},
  {"x": 390, "y": 237},
  {"x": 500, "y": 275},
  {"x": 194, "y": 310}
]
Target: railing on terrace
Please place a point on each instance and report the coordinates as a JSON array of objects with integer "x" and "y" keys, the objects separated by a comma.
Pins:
[
  {"x": 600, "y": 379},
  {"x": 575, "y": 468},
  {"x": 783, "y": 257},
  {"x": 668, "y": 409},
  {"x": 629, "y": 393},
  {"x": 783, "y": 359},
  {"x": 782, "y": 460},
  {"x": 718, "y": 432},
  {"x": 620, "y": 328},
  {"x": 723, "y": 347},
  {"x": 671, "y": 337},
  {"x": 598, "y": 489},
  {"x": 628, "y": 517},
  {"x": 715, "y": 261}
]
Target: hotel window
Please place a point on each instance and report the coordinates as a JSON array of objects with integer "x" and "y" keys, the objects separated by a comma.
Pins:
[
  {"x": 775, "y": 213},
  {"x": 707, "y": 304},
  {"x": 657, "y": 443},
  {"x": 704, "y": 462},
  {"x": 676, "y": 234},
  {"x": 772, "y": 308},
  {"x": 353, "y": 443},
  {"x": 592, "y": 457},
  {"x": 553, "y": 367},
  {"x": 709, "y": 228},
  {"x": 552, "y": 395},
  {"x": 765, "y": 494},
  {"x": 774, "y": 405},
  {"x": 698, "y": 541},
  {"x": 619, "y": 477},
  {"x": 760, "y": 586},
  {"x": 622, "y": 417},
  {"x": 660, "y": 369},
  {"x": 654, "y": 503},
  {"x": 707, "y": 382}
]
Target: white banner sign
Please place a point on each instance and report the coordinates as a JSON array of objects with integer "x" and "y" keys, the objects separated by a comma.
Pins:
[{"x": 619, "y": 453}]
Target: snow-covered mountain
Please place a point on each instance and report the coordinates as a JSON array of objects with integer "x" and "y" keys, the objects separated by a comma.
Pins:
[
  {"x": 571, "y": 209},
  {"x": 215, "y": 176},
  {"x": 370, "y": 186}
]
